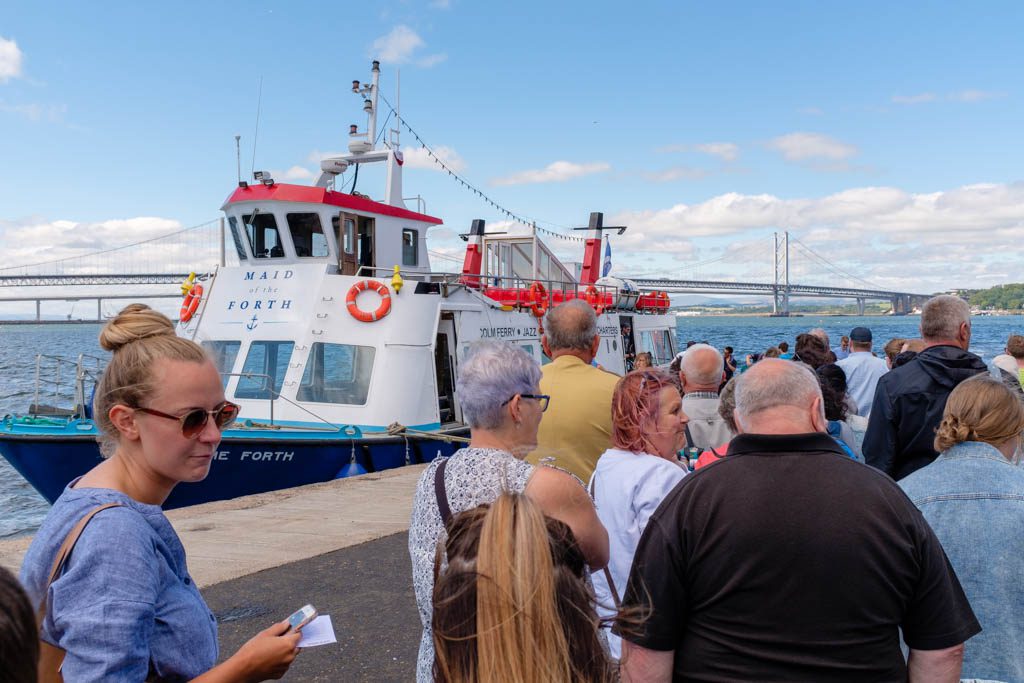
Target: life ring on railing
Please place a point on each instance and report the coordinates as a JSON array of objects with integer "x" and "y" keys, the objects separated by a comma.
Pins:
[
  {"x": 368, "y": 316},
  {"x": 538, "y": 299},
  {"x": 595, "y": 299},
  {"x": 190, "y": 303}
]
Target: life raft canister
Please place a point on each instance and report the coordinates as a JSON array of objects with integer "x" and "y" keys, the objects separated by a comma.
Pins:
[
  {"x": 595, "y": 299},
  {"x": 190, "y": 303},
  {"x": 368, "y": 316},
  {"x": 539, "y": 299}
]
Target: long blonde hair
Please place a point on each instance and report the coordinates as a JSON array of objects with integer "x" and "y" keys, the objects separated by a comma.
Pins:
[
  {"x": 512, "y": 606},
  {"x": 980, "y": 409},
  {"x": 138, "y": 337}
]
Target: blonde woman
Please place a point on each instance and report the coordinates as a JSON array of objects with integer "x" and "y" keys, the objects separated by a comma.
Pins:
[
  {"x": 125, "y": 607},
  {"x": 512, "y": 604},
  {"x": 973, "y": 497}
]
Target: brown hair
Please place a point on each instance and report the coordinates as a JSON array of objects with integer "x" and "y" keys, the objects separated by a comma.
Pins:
[
  {"x": 1015, "y": 346},
  {"x": 893, "y": 347},
  {"x": 19, "y": 637},
  {"x": 981, "y": 408},
  {"x": 811, "y": 350},
  {"x": 773, "y": 352},
  {"x": 512, "y": 604},
  {"x": 138, "y": 337},
  {"x": 635, "y": 406},
  {"x": 727, "y": 404}
]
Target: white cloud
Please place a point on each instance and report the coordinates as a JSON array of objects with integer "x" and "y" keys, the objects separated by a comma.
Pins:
[
  {"x": 54, "y": 113},
  {"x": 975, "y": 95},
  {"x": 293, "y": 173},
  {"x": 417, "y": 157},
  {"x": 11, "y": 58},
  {"x": 811, "y": 147},
  {"x": 726, "y": 151},
  {"x": 965, "y": 236},
  {"x": 555, "y": 172},
  {"x": 675, "y": 173},
  {"x": 914, "y": 99},
  {"x": 35, "y": 241},
  {"x": 401, "y": 46}
]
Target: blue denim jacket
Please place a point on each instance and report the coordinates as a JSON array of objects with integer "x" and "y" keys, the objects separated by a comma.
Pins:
[
  {"x": 125, "y": 601},
  {"x": 973, "y": 498}
]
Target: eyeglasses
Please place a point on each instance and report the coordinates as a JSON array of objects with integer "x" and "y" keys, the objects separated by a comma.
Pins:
[
  {"x": 543, "y": 398},
  {"x": 194, "y": 421}
]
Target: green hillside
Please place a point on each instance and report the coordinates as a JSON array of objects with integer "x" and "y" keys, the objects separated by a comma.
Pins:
[{"x": 1000, "y": 297}]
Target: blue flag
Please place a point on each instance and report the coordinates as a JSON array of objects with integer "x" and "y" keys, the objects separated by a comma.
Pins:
[{"x": 607, "y": 258}]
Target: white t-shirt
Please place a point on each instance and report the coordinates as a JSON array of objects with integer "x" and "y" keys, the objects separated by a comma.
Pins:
[{"x": 628, "y": 487}]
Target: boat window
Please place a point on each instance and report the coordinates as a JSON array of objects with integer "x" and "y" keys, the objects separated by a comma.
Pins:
[
  {"x": 337, "y": 373},
  {"x": 658, "y": 344},
  {"x": 263, "y": 237},
  {"x": 268, "y": 360},
  {"x": 410, "y": 247},
  {"x": 224, "y": 354},
  {"x": 237, "y": 238},
  {"x": 307, "y": 235}
]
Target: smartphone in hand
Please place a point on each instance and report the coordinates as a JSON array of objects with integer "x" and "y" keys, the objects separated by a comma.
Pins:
[{"x": 301, "y": 618}]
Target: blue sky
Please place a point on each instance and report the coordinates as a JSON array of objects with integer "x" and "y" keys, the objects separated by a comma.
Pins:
[{"x": 885, "y": 136}]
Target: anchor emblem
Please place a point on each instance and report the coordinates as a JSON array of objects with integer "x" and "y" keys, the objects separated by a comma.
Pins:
[{"x": 251, "y": 325}]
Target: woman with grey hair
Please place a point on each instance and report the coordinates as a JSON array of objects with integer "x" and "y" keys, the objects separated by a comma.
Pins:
[{"x": 498, "y": 392}]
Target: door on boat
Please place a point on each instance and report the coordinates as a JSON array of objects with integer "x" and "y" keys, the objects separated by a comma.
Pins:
[
  {"x": 444, "y": 365},
  {"x": 365, "y": 244},
  {"x": 345, "y": 237},
  {"x": 628, "y": 341}
]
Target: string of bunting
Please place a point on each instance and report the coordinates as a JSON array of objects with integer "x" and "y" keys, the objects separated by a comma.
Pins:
[{"x": 472, "y": 188}]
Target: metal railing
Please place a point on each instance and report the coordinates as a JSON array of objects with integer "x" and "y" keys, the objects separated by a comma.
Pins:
[{"x": 59, "y": 380}]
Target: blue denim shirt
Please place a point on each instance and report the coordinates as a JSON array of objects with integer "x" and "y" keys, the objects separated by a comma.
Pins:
[
  {"x": 973, "y": 498},
  {"x": 125, "y": 600}
]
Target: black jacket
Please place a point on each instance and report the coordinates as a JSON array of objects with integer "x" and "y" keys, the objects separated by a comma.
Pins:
[{"x": 908, "y": 407}]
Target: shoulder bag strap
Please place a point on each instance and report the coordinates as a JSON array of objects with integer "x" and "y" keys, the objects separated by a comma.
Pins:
[
  {"x": 607, "y": 574},
  {"x": 442, "y": 494},
  {"x": 689, "y": 436},
  {"x": 51, "y": 657}
]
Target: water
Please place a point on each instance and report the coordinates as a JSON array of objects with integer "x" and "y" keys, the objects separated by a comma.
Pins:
[{"x": 22, "y": 509}]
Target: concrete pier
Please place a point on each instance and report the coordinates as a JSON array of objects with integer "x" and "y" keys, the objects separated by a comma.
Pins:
[{"x": 340, "y": 546}]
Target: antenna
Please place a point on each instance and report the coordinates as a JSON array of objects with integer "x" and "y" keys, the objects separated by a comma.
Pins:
[
  {"x": 398, "y": 109},
  {"x": 238, "y": 155},
  {"x": 256, "y": 135}
]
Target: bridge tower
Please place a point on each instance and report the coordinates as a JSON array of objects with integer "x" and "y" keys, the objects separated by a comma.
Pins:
[{"x": 780, "y": 292}]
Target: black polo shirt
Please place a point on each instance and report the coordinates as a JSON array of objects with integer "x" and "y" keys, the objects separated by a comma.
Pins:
[{"x": 788, "y": 561}]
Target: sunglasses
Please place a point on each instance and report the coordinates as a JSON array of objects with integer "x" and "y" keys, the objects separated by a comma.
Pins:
[{"x": 194, "y": 421}]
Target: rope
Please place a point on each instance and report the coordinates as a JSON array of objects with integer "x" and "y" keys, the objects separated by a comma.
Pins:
[{"x": 396, "y": 429}]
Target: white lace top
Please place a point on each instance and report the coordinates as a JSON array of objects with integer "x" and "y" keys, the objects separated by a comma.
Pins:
[{"x": 473, "y": 476}]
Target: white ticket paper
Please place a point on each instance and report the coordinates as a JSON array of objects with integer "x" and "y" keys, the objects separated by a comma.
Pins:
[{"x": 318, "y": 632}]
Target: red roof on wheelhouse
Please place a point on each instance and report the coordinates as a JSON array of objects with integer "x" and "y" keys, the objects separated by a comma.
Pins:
[{"x": 283, "y": 192}]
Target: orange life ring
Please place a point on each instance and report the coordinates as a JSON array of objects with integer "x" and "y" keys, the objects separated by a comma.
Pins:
[
  {"x": 190, "y": 303},
  {"x": 539, "y": 299},
  {"x": 595, "y": 299},
  {"x": 368, "y": 316}
]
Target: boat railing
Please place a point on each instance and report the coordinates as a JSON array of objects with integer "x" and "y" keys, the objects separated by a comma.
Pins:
[{"x": 60, "y": 380}]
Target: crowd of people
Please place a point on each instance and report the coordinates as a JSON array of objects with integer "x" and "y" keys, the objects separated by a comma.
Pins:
[{"x": 820, "y": 514}]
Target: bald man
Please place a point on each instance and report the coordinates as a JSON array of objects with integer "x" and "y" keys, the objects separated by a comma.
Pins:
[{"x": 788, "y": 561}]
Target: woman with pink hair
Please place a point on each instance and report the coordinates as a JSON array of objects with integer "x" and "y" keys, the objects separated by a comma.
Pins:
[{"x": 635, "y": 474}]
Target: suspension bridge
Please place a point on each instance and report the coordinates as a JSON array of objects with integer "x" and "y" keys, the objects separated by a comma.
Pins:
[{"x": 778, "y": 266}]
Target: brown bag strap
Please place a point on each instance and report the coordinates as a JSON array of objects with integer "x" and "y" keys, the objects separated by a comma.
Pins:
[
  {"x": 64, "y": 552},
  {"x": 607, "y": 573}
]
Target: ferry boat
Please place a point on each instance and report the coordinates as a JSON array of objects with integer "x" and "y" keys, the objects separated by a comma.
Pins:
[{"x": 337, "y": 339}]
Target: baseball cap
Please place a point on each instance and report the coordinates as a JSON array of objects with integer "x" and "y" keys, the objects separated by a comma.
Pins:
[{"x": 860, "y": 334}]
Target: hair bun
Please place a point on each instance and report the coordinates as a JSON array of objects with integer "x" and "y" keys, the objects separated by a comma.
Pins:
[{"x": 134, "y": 322}]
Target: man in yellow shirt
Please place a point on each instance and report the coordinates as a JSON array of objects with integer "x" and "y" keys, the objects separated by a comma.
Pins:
[{"x": 577, "y": 427}]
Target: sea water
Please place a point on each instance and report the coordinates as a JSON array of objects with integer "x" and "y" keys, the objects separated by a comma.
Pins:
[{"x": 22, "y": 509}]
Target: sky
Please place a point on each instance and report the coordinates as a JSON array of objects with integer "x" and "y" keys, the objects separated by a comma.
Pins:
[{"x": 886, "y": 137}]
